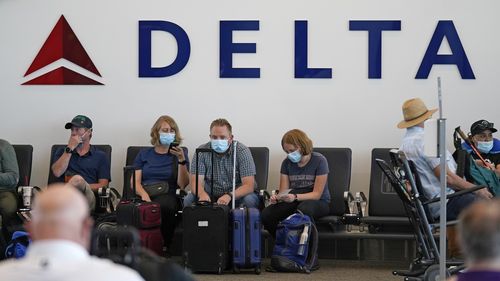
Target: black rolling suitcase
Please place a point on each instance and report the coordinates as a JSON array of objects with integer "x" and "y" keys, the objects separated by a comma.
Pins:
[
  {"x": 206, "y": 232},
  {"x": 127, "y": 251}
]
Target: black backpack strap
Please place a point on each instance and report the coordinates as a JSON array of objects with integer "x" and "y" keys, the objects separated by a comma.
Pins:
[
  {"x": 175, "y": 168},
  {"x": 312, "y": 255}
]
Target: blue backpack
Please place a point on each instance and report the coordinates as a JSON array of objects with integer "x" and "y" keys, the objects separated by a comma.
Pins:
[
  {"x": 18, "y": 245},
  {"x": 296, "y": 245}
]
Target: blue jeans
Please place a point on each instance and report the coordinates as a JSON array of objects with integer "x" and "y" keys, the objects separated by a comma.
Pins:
[{"x": 250, "y": 200}]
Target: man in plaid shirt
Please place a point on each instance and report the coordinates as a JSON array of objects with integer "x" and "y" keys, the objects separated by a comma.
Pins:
[{"x": 221, "y": 141}]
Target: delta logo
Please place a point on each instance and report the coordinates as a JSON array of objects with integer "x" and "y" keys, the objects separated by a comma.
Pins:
[{"x": 62, "y": 60}]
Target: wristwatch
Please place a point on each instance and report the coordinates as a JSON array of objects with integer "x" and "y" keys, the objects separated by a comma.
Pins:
[
  {"x": 182, "y": 162},
  {"x": 68, "y": 150},
  {"x": 296, "y": 198}
]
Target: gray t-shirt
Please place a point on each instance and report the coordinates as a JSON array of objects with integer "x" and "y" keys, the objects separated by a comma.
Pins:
[{"x": 302, "y": 178}]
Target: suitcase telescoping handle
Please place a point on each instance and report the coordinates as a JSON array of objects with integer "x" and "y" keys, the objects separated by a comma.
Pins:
[
  {"x": 198, "y": 152},
  {"x": 233, "y": 198},
  {"x": 129, "y": 182}
]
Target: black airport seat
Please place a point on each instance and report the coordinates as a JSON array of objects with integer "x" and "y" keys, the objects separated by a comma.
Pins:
[
  {"x": 24, "y": 154},
  {"x": 386, "y": 212},
  {"x": 339, "y": 180}
]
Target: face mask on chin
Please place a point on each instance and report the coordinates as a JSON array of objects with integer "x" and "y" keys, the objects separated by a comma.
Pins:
[{"x": 220, "y": 146}]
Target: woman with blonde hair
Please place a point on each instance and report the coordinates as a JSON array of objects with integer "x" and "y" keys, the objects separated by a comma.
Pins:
[{"x": 161, "y": 170}]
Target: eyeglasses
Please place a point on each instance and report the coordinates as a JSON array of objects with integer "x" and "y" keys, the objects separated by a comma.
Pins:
[{"x": 482, "y": 125}]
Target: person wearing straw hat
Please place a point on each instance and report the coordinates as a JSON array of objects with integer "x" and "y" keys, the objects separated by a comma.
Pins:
[{"x": 415, "y": 112}]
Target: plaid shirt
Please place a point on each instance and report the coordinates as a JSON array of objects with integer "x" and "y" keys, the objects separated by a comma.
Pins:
[{"x": 223, "y": 168}]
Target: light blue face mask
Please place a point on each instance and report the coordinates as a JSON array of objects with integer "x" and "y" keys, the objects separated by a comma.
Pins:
[
  {"x": 167, "y": 138},
  {"x": 294, "y": 156},
  {"x": 220, "y": 146},
  {"x": 485, "y": 146}
]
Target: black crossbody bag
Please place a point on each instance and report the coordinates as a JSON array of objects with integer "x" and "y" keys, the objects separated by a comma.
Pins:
[{"x": 162, "y": 187}]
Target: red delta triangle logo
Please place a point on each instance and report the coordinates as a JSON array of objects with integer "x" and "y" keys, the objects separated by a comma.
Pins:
[{"x": 62, "y": 44}]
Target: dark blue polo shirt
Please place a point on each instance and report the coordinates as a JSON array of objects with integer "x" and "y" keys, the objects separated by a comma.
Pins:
[{"x": 92, "y": 166}]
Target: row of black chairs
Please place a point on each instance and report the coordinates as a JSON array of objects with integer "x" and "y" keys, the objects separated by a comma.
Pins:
[
  {"x": 384, "y": 209},
  {"x": 386, "y": 217}
]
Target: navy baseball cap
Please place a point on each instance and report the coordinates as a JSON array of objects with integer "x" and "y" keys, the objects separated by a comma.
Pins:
[{"x": 80, "y": 121}]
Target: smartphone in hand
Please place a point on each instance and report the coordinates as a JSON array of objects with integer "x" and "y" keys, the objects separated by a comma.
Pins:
[{"x": 172, "y": 144}]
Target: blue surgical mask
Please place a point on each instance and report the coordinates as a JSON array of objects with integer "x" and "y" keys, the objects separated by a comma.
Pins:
[
  {"x": 294, "y": 156},
  {"x": 167, "y": 138},
  {"x": 485, "y": 146},
  {"x": 219, "y": 146}
]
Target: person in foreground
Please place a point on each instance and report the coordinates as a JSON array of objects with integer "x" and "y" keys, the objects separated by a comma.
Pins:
[
  {"x": 479, "y": 236},
  {"x": 61, "y": 230},
  {"x": 303, "y": 182}
]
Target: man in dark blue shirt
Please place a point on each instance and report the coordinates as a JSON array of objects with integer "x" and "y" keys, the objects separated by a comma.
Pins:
[{"x": 81, "y": 164}]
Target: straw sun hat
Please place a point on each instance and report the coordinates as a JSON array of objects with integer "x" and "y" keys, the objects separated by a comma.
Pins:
[{"x": 415, "y": 112}]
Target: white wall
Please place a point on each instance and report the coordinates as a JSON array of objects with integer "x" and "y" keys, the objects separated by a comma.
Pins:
[{"x": 349, "y": 110}]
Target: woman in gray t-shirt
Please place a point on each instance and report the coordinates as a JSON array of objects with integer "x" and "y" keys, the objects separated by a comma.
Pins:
[{"x": 303, "y": 182}]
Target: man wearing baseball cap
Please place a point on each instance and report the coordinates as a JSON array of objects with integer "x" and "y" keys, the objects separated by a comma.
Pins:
[
  {"x": 81, "y": 164},
  {"x": 481, "y": 133},
  {"x": 415, "y": 112}
]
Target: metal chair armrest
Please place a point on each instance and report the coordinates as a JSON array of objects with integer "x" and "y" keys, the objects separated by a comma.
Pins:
[{"x": 458, "y": 193}]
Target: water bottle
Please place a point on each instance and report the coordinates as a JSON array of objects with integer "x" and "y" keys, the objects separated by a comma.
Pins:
[
  {"x": 103, "y": 194},
  {"x": 303, "y": 240},
  {"x": 27, "y": 193}
]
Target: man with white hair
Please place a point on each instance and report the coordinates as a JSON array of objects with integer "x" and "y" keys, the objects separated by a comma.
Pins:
[{"x": 61, "y": 230}]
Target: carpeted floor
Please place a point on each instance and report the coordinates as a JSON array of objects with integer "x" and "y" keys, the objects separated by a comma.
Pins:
[{"x": 330, "y": 270}]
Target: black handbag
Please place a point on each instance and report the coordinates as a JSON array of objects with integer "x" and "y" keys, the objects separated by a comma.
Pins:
[
  {"x": 161, "y": 187},
  {"x": 156, "y": 189}
]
